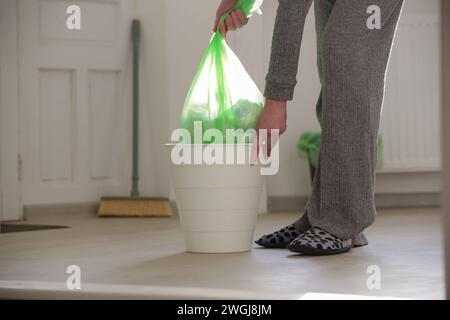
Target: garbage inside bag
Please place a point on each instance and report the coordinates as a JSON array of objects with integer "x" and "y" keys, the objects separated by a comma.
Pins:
[{"x": 222, "y": 95}]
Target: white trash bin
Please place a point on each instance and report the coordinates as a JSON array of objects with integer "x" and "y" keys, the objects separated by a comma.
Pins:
[{"x": 218, "y": 204}]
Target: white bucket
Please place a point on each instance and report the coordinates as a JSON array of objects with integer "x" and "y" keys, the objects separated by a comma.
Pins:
[{"x": 217, "y": 204}]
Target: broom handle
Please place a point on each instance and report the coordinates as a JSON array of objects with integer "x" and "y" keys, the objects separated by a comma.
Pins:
[{"x": 135, "y": 169}]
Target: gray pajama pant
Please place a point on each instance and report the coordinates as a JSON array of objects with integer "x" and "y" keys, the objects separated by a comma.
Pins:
[{"x": 352, "y": 61}]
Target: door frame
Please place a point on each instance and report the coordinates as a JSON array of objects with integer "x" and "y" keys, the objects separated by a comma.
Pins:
[
  {"x": 445, "y": 11},
  {"x": 11, "y": 205}
]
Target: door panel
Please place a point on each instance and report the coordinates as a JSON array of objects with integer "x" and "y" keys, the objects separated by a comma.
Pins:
[
  {"x": 55, "y": 131},
  {"x": 103, "y": 108},
  {"x": 75, "y": 106}
]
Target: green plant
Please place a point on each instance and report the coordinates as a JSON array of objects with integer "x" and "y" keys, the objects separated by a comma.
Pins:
[{"x": 309, "y": 147}]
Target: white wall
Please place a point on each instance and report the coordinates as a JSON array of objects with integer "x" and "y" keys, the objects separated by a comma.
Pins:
[
  {"x": 10, "y": 202},
  {"x": 154, "y": 124},
  {"x": 175, "y": 34}
]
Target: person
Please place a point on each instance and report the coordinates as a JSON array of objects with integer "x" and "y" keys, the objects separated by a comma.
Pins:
[{"x": 352, "y": 58}]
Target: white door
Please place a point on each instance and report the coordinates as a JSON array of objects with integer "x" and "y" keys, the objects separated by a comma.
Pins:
[
  {"x": 74, "y": 100},
  {"x": 10, "y": 206}
]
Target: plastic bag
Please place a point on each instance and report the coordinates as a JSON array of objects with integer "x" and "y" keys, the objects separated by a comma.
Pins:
[{"x": 222, "y": 95}]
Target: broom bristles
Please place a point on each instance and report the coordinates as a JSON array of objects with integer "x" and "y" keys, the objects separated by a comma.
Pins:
[{"x": 134, "y": 208}]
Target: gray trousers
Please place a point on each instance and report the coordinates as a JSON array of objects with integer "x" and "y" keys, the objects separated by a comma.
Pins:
[{"x": 352, "y": 62}]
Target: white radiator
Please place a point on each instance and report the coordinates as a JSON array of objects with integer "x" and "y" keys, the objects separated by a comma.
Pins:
[{"x": 410, "y": 123}]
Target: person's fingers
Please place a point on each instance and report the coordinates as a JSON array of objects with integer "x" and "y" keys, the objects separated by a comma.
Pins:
[
  {"x": 274, "y": 139},
  {"x": 256, "y": 147},
  {"x": 241, "y": 16},
  {"x": 263, "y": 143},
  {"x": 268, "y": 144},
  {"x": 222, "y": 29},
  {"x": 254, "y": 151},
  {"x": 229, "y": 23},
  {"x": 236, "y": 19},
  {"x": 237, "y": 22},
  {"x": 216, "y": 23},
  {"x": 257, "y": 143}
]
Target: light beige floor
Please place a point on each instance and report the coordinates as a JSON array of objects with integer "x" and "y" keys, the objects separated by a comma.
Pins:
[{"x": 145, "y": 256}]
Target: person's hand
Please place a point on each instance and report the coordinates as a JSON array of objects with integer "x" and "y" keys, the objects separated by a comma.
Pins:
[
  {"x": 235, "y": 20},
  {"x": 273, "y": 116}
]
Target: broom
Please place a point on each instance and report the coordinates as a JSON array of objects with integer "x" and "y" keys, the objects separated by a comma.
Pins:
[{"x": 135, "y": 205}]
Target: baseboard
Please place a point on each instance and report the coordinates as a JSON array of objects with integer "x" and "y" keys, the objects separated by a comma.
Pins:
[
  {"x": 275, "y": 204},
  {"x": 286, "y": 204},
  {"x": 81, "y": 208},
  {"x": 408, "y": 200},
  {"x": 391, "y": 200}
]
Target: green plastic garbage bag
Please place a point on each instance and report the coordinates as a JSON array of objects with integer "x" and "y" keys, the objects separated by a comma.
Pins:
[{"x": 222, "y": 95}]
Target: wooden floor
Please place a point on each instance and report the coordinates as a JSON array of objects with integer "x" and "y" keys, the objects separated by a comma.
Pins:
[{"x": 145, "y": 258}]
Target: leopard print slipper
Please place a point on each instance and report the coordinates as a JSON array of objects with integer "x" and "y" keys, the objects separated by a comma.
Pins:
[
  {"x": 281, "y": 238},
  {"x": 319, "y": 242}
]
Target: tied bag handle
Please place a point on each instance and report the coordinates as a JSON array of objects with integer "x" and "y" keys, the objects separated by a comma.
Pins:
[{"x": 248, "y": 7}]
